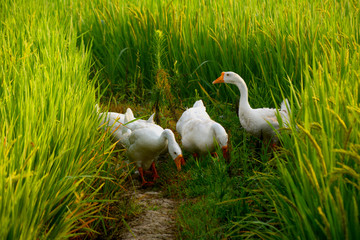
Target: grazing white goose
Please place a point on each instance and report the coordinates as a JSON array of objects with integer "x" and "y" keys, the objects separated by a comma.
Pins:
[
  {"x": 145, "y": 141},
  {"x": 259, "y": 122},
  {"x": 199, "y": 133}
]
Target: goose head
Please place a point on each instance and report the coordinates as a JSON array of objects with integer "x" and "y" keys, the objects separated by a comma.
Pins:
[
  {"x": 176, "y": 154},
  {"x": 174, "y": 149},
  {"x": 229, "y": 77},
  {"x": 223, "y": 142},
  {"x": 234, "y": 78},
  {"x": 222, "y": 138}
]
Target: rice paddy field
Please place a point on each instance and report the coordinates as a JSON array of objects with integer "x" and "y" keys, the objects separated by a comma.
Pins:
[{"x": 63, "y": 178}]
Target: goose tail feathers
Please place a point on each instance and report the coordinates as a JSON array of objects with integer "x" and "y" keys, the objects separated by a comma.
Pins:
[
  {"x": 97, "y": 108},
  {"x": 198, "y": 103},
  {"x": 151, "y": 118},
  {"x": 285, "y": 106},
  {"x": 129, "y": 115}
]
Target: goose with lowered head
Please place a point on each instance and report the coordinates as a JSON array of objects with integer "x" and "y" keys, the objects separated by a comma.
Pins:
[
  {"x": 199, "y": 133},
  {"x": 145, "y": 141},
  {"x": 259, "y": 122}
]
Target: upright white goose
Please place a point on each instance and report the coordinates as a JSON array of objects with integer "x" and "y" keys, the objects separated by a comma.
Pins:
[
  {"x": 145, "y": 141},
  {"x": 259, "y": 122},
  {"x": 199, "y": 133}
]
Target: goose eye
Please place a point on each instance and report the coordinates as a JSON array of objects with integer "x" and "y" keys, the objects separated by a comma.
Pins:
[
  {"x": 227, "y": 74},
  {"x": 175, "y": 153}
]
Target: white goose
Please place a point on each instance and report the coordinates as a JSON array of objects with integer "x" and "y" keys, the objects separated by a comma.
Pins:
[
  {"x": 259, "y": 122},
  {"x": 199, "y": 133},
  {"x": 145, "y": 141}
]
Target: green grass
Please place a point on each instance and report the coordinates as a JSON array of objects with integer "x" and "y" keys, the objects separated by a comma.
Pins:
[
  {"x": 166, "y": 54},
  {"x": 52, "y": 157}
]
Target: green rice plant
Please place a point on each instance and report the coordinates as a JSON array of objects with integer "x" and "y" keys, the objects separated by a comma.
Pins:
[
  {"x": 295, "y": 49},
  {"x": 52, "y": 158},
  {"x": 202, "y": 40},
  {"x": 317, "y": 191},
  {"x": 161, "y": 90},
  {"x": 307, "y": 51}
]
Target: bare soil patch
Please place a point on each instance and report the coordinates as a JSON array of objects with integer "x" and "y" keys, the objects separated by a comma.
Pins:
[{"x": 157, "y": 217}]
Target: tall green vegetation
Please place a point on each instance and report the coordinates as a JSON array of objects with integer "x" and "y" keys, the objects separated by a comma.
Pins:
[
  {"x": 307, "y": 51},
  {"x": 51, "y": 154},
  {"x": 318, "y": 191}
]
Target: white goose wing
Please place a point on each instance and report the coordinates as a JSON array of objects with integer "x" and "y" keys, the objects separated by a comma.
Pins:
[
  {"x": 144, "y": 145},
  {"x": 196, "y": 135},
  {"x": 271, "y": 115},
  {"x": 198, "y": 111},
  {"x": 262, "y": 121},
  {"x": 198, "y": 131},
  {"x": 115, "y": 122},
  {"x": 111, "y": 119},
  {"x": 132, "y": 123}
]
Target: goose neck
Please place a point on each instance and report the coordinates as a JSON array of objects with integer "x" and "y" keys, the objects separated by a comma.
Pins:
[
  {"x": 167, "y": 134},
  {"x": 220, "y": 134},
  {"x": 244, "y": 103}
]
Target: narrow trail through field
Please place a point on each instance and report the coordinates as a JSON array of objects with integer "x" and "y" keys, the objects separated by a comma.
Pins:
[{"x": 157, "y": 219}]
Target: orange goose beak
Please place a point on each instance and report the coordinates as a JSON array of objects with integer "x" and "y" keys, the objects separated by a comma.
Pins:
[
  {"x": 226, "y": 153},
  {"x": 179, "y": 161},
  {"x": 219, "y": 79}
]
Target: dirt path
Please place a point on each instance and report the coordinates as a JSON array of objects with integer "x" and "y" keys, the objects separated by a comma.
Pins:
[{"x": 157, "y": 220}]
